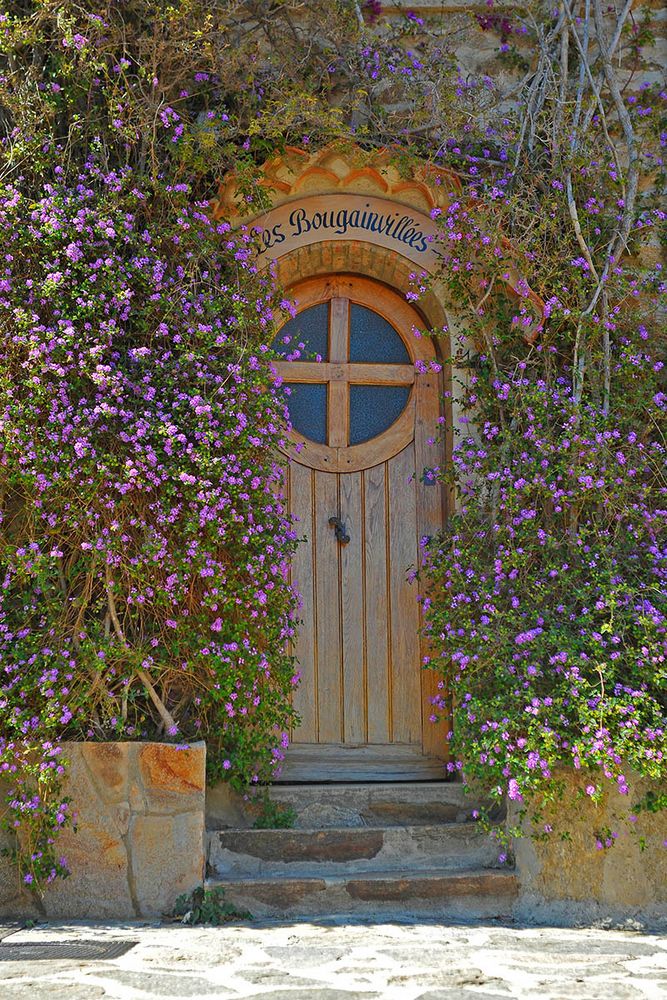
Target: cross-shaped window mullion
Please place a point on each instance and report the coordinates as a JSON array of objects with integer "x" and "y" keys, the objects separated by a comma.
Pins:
[
  {"x": 338, "y": 416},
  {"x": 360, "y": 372},
  {"x": 339, "y": 373}
]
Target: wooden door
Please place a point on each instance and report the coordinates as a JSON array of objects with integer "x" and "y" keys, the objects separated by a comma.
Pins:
[{"x": 364, "y": 403}]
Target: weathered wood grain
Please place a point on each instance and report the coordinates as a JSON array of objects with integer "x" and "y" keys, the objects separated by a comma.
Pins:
[
  {"x": 405, "y": 653},
  {"x": 364, "y": 697},
  {"x": 305, "y": 696},
  {"x": 327, "y": 598},
  {"x": 339, "y": 763},
  {"x": 352, "y": 606}
]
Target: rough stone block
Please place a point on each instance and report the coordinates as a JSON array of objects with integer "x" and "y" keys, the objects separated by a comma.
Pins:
[
  {"x": 438, "y": 887},
  {"x": 619, "y": 882},
  {"x": 13, "y": 899},
  {"x": 156, "y": 841},
  {"x": 97, "y": 889},
  {"x": 95, "y": 851},
  {"x": 172, "y": 777},
  {"x": 226, "y": 808},
  {"x": 325, "y": 816},
  {"x": 139, "y": 838},
  {"x": 108, "y": 765}
]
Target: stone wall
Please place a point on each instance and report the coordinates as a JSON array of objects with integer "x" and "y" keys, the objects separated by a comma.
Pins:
[
  {"x": 140, "y": 833},
  {"x": 140, "y": 844},
  {"x": 570, "y": 882}
]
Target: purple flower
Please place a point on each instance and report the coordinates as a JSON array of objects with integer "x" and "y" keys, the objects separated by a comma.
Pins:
[{"x": 513, "y": 790}]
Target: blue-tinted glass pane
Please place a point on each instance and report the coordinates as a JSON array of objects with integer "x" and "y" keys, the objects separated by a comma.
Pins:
[
  {"x": 307, "y": 405},
  {"x": 310, "y": 328},
  {"x": 373, "y": 408},
  {"x": 372, "y": 338}
]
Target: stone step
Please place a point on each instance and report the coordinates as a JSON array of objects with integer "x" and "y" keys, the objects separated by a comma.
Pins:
[
  {"x": 461, "y": 895},
  {"x": 376, "y": 804},
  {"x": 350, "y": 850}
]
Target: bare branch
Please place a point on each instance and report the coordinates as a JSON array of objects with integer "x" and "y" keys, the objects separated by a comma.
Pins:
[
  {"x": 628, "y": 133},
  {"x": 166, "y": 717}
]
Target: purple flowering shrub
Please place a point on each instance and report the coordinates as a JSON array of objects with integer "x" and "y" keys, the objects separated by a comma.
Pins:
[
  {"x": 144, "y": 540},
  {"x": 545, "y": 601},
  {"x": 544, "y": 597}
]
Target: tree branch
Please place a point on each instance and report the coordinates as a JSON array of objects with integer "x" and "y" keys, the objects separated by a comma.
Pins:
[{"x": 166, "y": 717}]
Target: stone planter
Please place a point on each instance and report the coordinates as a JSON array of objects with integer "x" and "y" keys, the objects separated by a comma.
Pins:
[
  {"x": 140, "y": 833},
  {"x": 573, "y": 882}
]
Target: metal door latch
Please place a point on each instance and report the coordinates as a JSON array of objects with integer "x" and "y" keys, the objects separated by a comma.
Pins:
[{"x": 339, "y": 530}]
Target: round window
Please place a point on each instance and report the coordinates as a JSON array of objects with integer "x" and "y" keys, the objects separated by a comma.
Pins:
[
  {"x": 348, "y": 373},
  {"x": 373, "y": 405}
]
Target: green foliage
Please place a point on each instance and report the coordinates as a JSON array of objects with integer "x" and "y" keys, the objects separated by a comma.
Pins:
[
  {"x": 130, "y": 470},
  {"x": 652, "y": 802},
  {"x": 35, "y": 811},
  {"x": 207, "y": 906},
  {"x": 273, "y": 815}
]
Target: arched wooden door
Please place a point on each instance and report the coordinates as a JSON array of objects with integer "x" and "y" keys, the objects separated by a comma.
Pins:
[{"x": 364, "y": 403}]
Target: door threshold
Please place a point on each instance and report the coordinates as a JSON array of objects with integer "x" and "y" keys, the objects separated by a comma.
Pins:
[{"x": 334, "y": 763}]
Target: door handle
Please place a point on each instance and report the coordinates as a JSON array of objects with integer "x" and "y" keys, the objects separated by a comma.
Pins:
[{"x": 339, "y": 530}]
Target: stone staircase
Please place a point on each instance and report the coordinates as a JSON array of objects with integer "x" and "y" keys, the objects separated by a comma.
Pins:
[{"x": 367, "y": 849}]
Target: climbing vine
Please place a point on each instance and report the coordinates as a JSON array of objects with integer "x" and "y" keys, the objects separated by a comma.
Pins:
[
  {"x": 144, "y": 542},
  {"x": 545, "y": 594}
]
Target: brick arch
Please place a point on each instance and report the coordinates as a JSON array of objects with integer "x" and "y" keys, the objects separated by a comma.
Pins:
[
  {"x": 364, "y": 259},
  {"x": 340, "y": 169}
]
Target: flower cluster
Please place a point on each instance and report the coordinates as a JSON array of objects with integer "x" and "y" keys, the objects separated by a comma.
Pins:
[
  {"x": 144, "y": 540},
  {"x": 144, "y": 537},
  {"x": 546, "y": 595}
]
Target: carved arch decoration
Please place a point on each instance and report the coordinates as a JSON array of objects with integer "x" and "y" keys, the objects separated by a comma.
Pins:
[
  {"x": 299, "y": 173},
  {"x": 342, "y": 203}
]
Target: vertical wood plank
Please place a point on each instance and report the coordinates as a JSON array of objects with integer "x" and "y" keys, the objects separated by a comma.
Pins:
[
  {"x": 304, "y": 697},
  {"x": 327, "y": 599},
  {"x": 352, "y": 608},
  {"x": 405, "y": 652},
  {"x": 339, "y": 414},
  {"x": 428, "y": 453},
  {"x": 340, "y": 332},
  {"x": 377, "y": 605},
  {"x": 430, "y": 515}
]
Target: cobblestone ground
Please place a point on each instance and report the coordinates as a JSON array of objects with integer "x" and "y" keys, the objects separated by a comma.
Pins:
[{"x": 407, "y": 960}]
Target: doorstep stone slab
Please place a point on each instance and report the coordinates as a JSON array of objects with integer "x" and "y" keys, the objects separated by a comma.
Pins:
[
  {"x": 321, "y": 806},
  {"x": 325, "y": 845},
  {"x": 350, "y": 850},
  {"x": 431, "y": 800},
  {"x": 391, "y": 889},
  {"x": 453, "y": 895}
]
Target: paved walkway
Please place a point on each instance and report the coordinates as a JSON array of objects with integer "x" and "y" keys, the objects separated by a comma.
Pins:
[{"x": 409, "y": 960}]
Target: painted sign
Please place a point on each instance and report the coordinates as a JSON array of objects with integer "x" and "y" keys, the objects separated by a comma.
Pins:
[
  {"x": 347, "y": 217},
  {"x": 370, "y": 220}
]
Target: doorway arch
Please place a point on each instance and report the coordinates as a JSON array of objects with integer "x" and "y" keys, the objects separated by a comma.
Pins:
[
  {"x": 365, "y": 402},
  {"x": 343, "y": 213}
]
